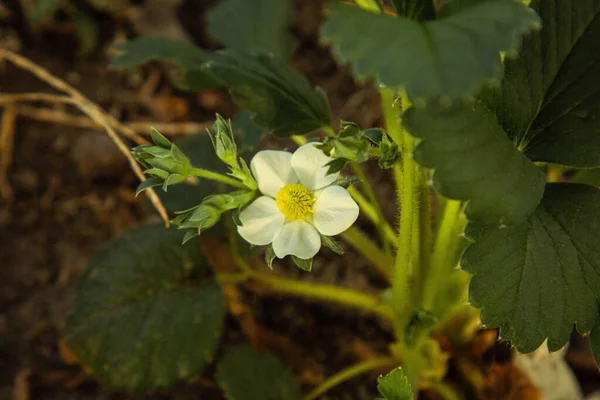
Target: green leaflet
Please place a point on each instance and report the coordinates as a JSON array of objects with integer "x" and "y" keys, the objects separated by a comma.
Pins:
[
  {"x": 394, "y": 386},
  {"x": 244, "y": 374},
  {"x": 474, "y": 160},
  {"x": 537, "y": 279},
  {"x": 448, "y": 57},
  {"x": 258, "y": 26},
  {"x": 280, "y": 100},
  {"x": 548, "y": 102},
  {"x": 142, "y": 318},
  {"x": 415, "y": 9},
  {"x": 186, "y": 56}
]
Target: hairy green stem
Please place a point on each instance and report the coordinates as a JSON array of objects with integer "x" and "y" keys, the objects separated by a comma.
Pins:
[
  {"x": 349, "y": 373},
  {"x": 215, "y": 176},
  {"x": 445, "y": 246}
]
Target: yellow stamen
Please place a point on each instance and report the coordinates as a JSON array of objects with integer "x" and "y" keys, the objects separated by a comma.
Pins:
[{"x": 295, "y": 201}]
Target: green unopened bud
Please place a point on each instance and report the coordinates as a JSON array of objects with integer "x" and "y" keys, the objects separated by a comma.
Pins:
[
  {"x": 223, "y": 141},
  {"x": 164, "y": 161},
  {"x": 208, "y": 213},
  {"x": 387, "y": 150}
]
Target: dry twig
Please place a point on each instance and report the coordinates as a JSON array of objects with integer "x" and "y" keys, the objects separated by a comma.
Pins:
[
  {"x": 7, "y": 134},
  {"x": 142, "y": 128},
  {"x": 87, "y": 107}
]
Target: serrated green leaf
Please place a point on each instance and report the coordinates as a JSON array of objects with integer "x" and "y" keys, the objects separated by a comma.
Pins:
[
  {"x": 537, "y": 279},
  {"x": 394, "y": 386},
  {"x": 448, "y": 57},
  {"x": 548, "y": 101},
  {"x": 142, "y": 318},
  {"x": 244, "y": 374},
  {"x": 258, "y": 26},
  {"x": 186, "y": 56},
  {"x": 474, "y": 160},
  {"x": 279, "y": 99},
  {"x": 305, "y": 265}
]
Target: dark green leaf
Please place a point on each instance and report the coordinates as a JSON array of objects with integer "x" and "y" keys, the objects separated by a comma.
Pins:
[
  {"x": 587, "y": 176},
  {"x": 279, "y": 99},
  {"x": 394, "y": 386},
  {"x": 447, "y": 57},
  {"x": 474, "y": 160},
  {"x": 258, "y": 26},
  {"x": 248, "y": 133},
  {"x": 537, "y": 279},
  {"x": 186, "y": 56},
  {"x": 548, "y": 102},
  {"x": 147, "y": 184},
  {"x": 330, "y": 243},
  {"x": 305, "y": 265},
  {"x": 142, "y": 319},
  {"x": 244, "y": 374},
  {"x": 415, "y": 9}
]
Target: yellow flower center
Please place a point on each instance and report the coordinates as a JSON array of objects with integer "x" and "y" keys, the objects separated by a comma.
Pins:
[{"x": 295, "y": 201}]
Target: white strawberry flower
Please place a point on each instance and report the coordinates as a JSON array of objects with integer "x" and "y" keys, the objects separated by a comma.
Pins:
[{"x": 298, "y": 203}]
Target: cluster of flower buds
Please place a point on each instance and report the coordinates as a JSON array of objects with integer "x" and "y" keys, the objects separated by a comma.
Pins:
[{"x": 354, "y": 144}]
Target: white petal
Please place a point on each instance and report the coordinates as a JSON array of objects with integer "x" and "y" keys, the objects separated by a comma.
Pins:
[
  {"x": 309, "y": 164},
  {"x": 334, "y": 211},
  {"x": 298, "y": 238},
  {"x": 262, "y": 221},
  {"x": 272, "y": 170}
]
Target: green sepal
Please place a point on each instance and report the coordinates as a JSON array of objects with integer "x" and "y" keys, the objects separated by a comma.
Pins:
[
  {"x": 147, "y": 184},
  {"x": 172, "y": 179},
  {"x": 346, "y": 181},
  {"x": 270, "y": 256},
  {"x": 236, "y": 217},
  {"x": 189, "y": 235},
  {"x": 336, "y": 165},
  {"x": 159, "y": 140},
  {"x": 330, "y": 243},
  {"x": 157, "y": 173},
  {"x": 305, "y": 265}
]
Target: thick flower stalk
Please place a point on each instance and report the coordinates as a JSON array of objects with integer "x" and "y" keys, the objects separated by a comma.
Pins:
[{"x": 300, "y": 203}]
